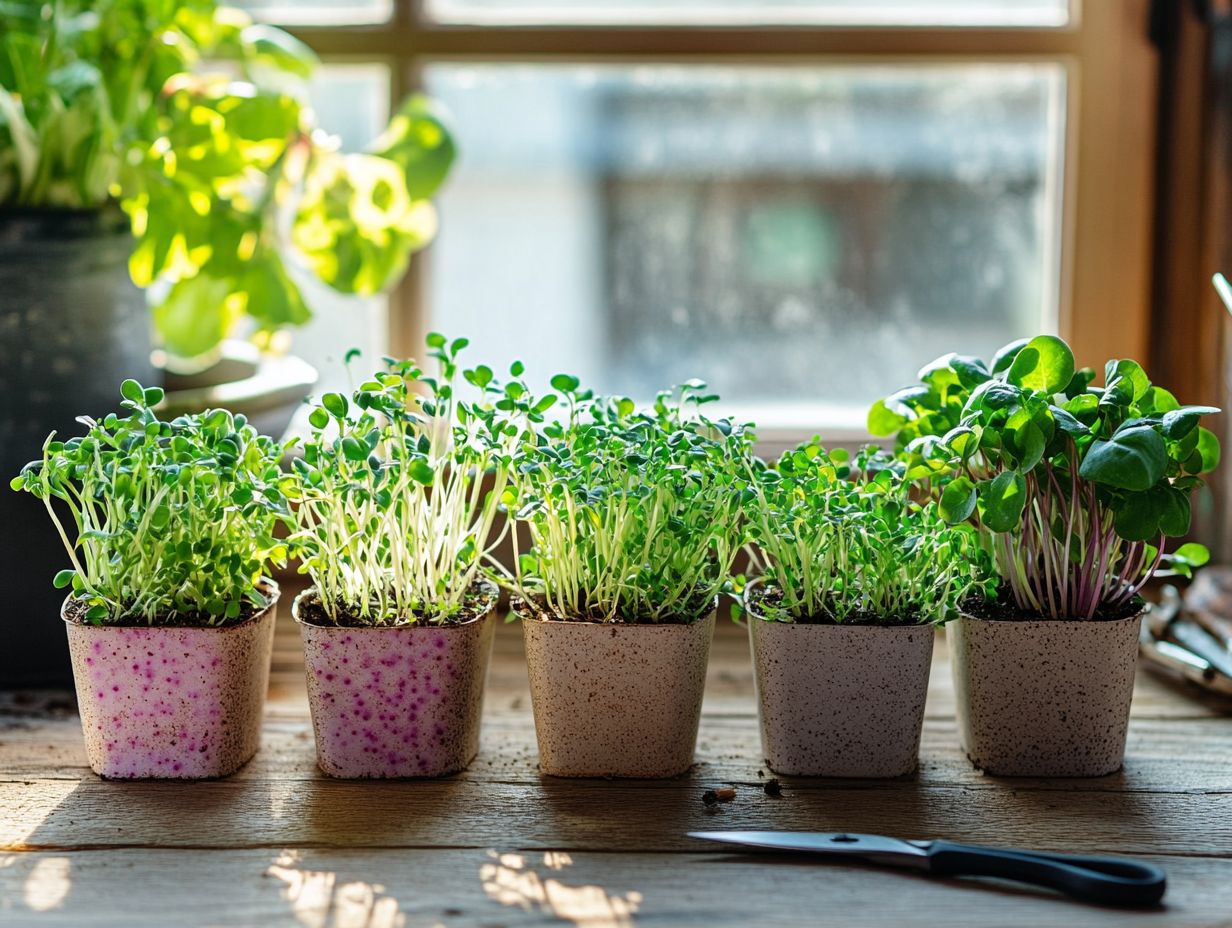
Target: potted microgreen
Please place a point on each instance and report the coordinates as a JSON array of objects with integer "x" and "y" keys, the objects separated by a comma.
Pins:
[
  {"x": 172, "y": 147},
  {"x": 855, "y": 575},
  {"x": 1075, "y": 489},
  {"x": 399, "y": 488},
  {"x": 170, "y": 617},
  {"x": 634, "y": 519}
]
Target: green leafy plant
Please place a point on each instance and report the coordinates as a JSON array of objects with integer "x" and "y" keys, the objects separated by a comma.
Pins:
[
  {"x": 193, "y": 119},
  {"x": 634, "y": 516},
  {"x": 399, "y": 487},
  {"x": 1076, "y": 486},
  {"x": 844, "y": 541},
  {"x": 171, "y": 521}
]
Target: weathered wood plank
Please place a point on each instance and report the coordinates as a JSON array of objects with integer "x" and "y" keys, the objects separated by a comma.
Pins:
[
  {"x": 587, "y": 815},
  {"x": 79, "y": 851},
  {"x": 1162, "y": 756},
  {"x": 502, "y": 886}
]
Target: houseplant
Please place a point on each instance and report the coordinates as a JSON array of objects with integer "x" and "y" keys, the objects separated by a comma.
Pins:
[
  {"x": 1075, "y": 489},
  {"x": 170, "y": 145},
  {"x": 634, "y": 519},
  {"x": 855, "y": 575},
  {"x": 169, "y": 614},
  {"x": 398, "y": 489}
]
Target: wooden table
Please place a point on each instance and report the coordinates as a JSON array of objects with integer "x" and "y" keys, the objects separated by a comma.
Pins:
[{"x": 278, "y": 844}]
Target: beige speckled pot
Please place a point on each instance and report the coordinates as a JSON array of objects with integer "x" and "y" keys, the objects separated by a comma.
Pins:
[
  {"x": 1044, "y": 698},
  {"x": 397, "y": 701},
  {"x": 840, "y": 700},
  {"x": 613, "y": 700},
  {"x": 170, "y": 702}
]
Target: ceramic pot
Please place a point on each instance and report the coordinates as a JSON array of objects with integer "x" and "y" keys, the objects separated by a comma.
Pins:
[
  {"x": 840, "y": 700},
  {"x": 72, "y": 327},
  {"x": 396, "y": 701},
  {"x": 615, "y": 700},
  {"x": 1044, "y": 698},
  {"x": 171, "y": 702}
]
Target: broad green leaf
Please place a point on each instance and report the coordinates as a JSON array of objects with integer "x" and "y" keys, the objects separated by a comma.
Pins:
[
  {"x": 419, "y": 142},
  {"x": 1192, "y": 554},
  {"x": 1132, "y": 373},
  {"x": 1005, "y": 356},
  {"x": 1180, "y": 422},
  {"x": 1044, "y": 364},
  {"x": 1132, "y": 459},
  {"x": 276, "y": 48},
  {"x": 883, "y": 421},
  {"x": 957, "y": 500},
  {"x": 356, "y": 224},
  {"x": 197, "y": 314},
  {"x": 1208, "y": 448},
  {"x": 1002, "y": 501}
]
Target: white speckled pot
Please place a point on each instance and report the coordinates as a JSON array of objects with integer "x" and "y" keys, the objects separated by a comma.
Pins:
[
  {"x": 615, "y": 700},
  {"x": 1044, "y": 698},
  {"x": 396, "y": 701},
  {"x": 172, "y": 702},
  {"x": 840, "y": 700}
]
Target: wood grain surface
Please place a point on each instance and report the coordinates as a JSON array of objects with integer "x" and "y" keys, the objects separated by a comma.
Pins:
[{"x": 279, "y": 844}]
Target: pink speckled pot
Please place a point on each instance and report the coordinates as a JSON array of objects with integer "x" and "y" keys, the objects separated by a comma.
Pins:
[
  {"x": 1044, "y": 698},
  {"x": 175, "y": 703},
  {"x": 614, "y": 700},
  {"x": 840, "y": 700},
  {"x": 396, "y": 701}
]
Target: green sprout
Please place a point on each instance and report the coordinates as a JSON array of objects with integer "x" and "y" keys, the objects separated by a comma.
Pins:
[
  {"x": 400, "y": 486},
  {"x": 172, "y": 522},
  {"x": 1075, "y": 487},
  {"x": 844, "y": 541},
  {"x": 634, "y": 516}
]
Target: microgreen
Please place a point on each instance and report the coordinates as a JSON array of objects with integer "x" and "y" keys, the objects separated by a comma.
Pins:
[
  {"x": 400, "y": 485},
  {"x": 634, "y": 515},
  {"x": 171, "y": 521},
  {"x": 843, "y": 540},
  {"x": 1076, "y": 486}
]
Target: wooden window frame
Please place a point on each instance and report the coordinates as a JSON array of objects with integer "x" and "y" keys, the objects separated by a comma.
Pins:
[{"x": 1109, "y": 134}]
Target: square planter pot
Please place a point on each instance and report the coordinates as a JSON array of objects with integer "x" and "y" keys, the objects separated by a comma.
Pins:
[
  {"x": 1044, "y": 698},
  {"x": 172, "y": 702},
  {"x": 396, "y": 701},
  {"x": 840, "y": 700},
  {"x": 616, "y": 700}
]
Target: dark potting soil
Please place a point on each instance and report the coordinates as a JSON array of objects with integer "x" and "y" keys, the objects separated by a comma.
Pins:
[
  {"x": 762, "y": 598},
  {"x": 696, "y": 609},
  {"x": 1005, "y": 609},
  {"x": 76, "y": 610},
  {"x": 478, "y": 600}
]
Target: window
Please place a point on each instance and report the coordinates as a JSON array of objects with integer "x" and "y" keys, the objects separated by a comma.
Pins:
[{"x": 798, "y": 201}]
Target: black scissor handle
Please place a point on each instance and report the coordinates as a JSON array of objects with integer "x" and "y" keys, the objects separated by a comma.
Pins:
[{"x": 1105, "y": 880}]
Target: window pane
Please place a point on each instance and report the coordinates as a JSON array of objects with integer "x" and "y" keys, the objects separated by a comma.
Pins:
[
  {"x": 801, "y": 238},
  {"x": 352, "y": 102},
  {"x": 317, "y": 12},
  {"x": 750, "y": 12}
]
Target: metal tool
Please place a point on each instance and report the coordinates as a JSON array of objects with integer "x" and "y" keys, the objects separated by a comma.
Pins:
[
  {"x": 1103, "y": 880},
  {"x": 1172, "y": 640}
]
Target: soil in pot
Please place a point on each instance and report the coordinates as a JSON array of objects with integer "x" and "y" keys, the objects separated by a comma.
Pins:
[
  {"x": 172, "y": 700},
  {"x": 400, "y": 700},
  {"x": 1044, "y": 697},
  {"x": 615, "y": 699},
  {"x": 839, "y": 699}
]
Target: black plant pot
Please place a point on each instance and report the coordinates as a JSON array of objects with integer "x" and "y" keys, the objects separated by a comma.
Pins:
[{"x": 72, "y": 327}]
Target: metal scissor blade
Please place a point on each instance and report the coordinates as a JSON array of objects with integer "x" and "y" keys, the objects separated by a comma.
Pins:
[{"x": 875, "y": 848}]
